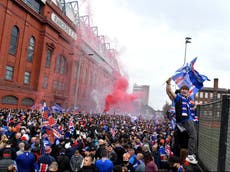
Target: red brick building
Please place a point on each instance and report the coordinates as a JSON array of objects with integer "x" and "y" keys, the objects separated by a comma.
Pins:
[
  {"x": 210, "y": 94},
  {"x": 47, "y": 56}
]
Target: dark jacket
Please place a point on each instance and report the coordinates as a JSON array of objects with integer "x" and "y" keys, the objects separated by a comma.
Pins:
[
  {"x": 76, "y": 162},
  {"x": 63, "y": 163},
  {"x": 46, "y": 159},
  {"x": 91, "y": 168}
]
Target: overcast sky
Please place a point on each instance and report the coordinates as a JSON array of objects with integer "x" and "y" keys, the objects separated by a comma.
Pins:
[{"x": 150, "y": 36}]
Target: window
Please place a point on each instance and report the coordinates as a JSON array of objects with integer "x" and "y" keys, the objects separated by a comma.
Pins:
[
  {"x": 30, "y": 52},
  {"x": 13, "y": 40},
  {"x": 10, "y": 100},
  {"x": 45, "y": 82},
  {"x": 9, "y": 73},
  {"x": 201, "y": 94},
  {"x": 62, "y": 86},
  {"x": 55, "y": 85},
  {"x": 211, "y": 95},
  {"x": 60, "y": 65},
  {"x": 218, "y": 95},
  {"x": 63, "y": 65},
  {"x": 206, "y": 95},
  {"x": 34, "y": 4},
  {"x": 27, "y": 102},
  {"x": 27, "y": 78},
  {"x": 57, "y": 65},
  {"x": 59, "y": 86},
  {"x": 48, "y": 57}
]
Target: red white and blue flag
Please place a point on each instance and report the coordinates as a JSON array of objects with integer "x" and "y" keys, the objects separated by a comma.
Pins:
[
  {"x": 188, "y": 76},
  {"x": 71, "y": 125},
  {"x": 56, "y": 133}
]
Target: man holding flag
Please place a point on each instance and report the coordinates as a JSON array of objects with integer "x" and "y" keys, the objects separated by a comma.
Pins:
[
  {"x": 190, "y": 82},
  {"x": 183, "y": 113}
]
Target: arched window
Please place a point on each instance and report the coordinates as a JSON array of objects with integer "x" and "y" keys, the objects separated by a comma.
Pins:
[
  {"x": 30, "y": 52},
  {"x": 13, "y": 40},
  {"x": 10, "y": 100},
  {"x": 27, "y": 102}
]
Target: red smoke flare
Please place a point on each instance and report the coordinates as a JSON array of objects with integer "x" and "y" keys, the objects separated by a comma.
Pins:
[{"x": 119, "y": 99}]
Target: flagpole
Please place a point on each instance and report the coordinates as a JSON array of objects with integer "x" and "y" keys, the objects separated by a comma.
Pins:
[{"x": 187, "y": 40}]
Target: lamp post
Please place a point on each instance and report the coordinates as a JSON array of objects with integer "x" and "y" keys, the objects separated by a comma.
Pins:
[{"x": 187, "y": 40}]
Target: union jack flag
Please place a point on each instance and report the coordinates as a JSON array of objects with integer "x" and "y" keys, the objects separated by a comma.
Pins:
[{"x": 56, "y": 133}]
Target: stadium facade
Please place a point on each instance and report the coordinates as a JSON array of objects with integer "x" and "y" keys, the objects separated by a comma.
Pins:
[{"x": 49, "y": 53}]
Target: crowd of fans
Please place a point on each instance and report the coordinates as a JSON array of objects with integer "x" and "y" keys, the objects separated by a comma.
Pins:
[{"x": 32, "y": 140}]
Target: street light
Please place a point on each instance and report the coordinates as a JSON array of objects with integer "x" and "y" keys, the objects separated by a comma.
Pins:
[{"x": 187, "y": 40}]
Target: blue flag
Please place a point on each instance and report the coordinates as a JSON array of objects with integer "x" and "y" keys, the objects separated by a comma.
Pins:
[
  {"x": 57, "y": 108},
  {"x": 188, "y": 76}
]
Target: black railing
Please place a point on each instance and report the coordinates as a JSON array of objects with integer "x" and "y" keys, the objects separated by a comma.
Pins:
[{"x": 214, "y": 135}]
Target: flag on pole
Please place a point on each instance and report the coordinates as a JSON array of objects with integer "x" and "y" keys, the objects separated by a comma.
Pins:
[{"x": 187, "y": 75}]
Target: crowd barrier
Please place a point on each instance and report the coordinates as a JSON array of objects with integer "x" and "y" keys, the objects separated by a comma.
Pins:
[{"x": 214, "y": 135}]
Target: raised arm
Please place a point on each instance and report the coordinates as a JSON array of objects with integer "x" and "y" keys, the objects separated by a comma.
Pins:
[{"x": 169, "y": 91}]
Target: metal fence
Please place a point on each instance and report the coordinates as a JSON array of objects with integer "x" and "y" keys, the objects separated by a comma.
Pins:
[{"x": 214, "y": 135}]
